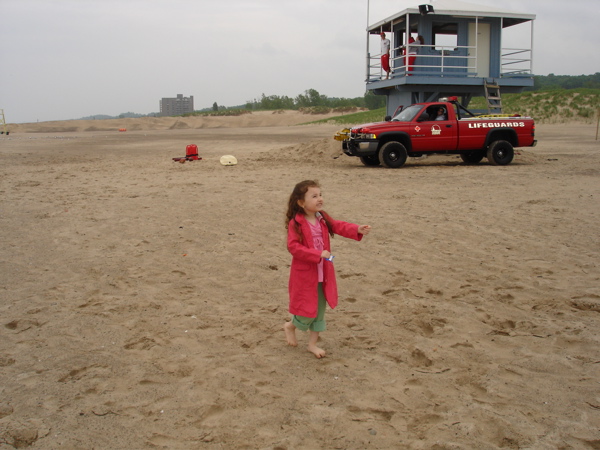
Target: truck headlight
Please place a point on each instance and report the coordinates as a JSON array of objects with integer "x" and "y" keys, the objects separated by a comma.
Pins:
[{"x": 369, "y": 136}]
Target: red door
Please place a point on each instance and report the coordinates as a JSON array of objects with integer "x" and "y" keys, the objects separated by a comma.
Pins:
[{"x": 435, "y": 132}]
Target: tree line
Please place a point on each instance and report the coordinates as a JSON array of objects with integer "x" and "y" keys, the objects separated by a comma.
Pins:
[
  {"x": 311, "y": 98},
  {"x": 552, "y": 82}
]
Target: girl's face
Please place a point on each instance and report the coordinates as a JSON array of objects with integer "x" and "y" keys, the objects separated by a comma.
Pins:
[{"x": 312, "y": 202}]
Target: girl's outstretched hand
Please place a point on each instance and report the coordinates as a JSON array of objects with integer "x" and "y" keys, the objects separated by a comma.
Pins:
[{"x": 364, "y": 229}]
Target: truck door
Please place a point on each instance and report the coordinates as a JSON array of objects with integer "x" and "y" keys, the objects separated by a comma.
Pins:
[{"x": 435, "y": 129}]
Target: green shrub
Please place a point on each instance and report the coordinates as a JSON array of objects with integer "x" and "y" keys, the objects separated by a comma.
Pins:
[
  {"x": 376, "y": 115},
  {"x": 315, "y": 110},
  {"x": 553, "y": 105},
  {"x": 222, "y": 112}
]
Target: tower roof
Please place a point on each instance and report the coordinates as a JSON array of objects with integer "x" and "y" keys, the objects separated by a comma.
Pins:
[{"x": 459, "y": 8}]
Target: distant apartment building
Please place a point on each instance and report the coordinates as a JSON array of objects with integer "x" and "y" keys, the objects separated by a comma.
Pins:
[{"x": 176, "y": 106}]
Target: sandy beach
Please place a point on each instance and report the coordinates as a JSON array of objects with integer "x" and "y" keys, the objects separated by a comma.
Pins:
[{"x": 142, "y": 300}]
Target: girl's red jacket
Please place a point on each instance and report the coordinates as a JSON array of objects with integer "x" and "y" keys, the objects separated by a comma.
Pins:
[{"x": 303, "y": 272}]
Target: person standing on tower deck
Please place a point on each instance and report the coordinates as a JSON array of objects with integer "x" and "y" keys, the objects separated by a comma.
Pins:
[
  {"x": 412, "y": 52},
  {"x": 385, "y": 54}
]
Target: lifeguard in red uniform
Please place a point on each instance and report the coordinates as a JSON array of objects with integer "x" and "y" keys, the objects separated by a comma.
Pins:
[{"x": 385, "y": 54}]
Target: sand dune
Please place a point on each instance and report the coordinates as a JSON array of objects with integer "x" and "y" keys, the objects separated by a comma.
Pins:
[
  {"x": 143, "y": 299},
  {"x": 255, "y": 119}
]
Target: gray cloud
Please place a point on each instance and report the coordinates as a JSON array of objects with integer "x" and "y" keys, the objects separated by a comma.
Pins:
[{"x": 64, "y": 59}]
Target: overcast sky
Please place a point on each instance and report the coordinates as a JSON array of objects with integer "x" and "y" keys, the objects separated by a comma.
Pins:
[{"x": 66, "y": 59}]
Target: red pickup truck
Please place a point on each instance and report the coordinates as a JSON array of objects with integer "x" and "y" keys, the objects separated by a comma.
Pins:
[{"x": 438, "y": 127}]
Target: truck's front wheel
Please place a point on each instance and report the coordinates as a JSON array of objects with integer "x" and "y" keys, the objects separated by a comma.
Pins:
[
  {"x": 500, "y": 153},
  {"x": 372, "y": 160},
  {"x": 393, "y": 154}
]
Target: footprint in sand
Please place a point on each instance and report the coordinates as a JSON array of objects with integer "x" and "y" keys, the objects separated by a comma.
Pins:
[
  {"x": 144, "y": 343},
  {"x": 419, "y": 359},
  {"x": 21, "y": 325}
]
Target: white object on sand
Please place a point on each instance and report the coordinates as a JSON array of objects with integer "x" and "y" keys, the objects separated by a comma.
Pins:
[{"x": 228, "y": 160}]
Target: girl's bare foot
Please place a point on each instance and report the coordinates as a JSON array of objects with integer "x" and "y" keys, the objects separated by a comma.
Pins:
[
  {"x": 318, "y": 352},
  {"x": 312, "y": 345},
  {"x": 290, "y": 334}
]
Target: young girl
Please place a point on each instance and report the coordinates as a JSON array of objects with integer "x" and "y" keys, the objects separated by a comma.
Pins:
[{"x": 312, "y": 277}]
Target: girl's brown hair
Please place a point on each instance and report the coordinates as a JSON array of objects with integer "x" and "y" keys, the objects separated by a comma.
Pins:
[{"x": 294, "y": 208}]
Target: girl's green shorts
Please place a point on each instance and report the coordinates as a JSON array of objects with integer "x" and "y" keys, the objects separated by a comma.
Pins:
[{"x": 313, "y": 323}]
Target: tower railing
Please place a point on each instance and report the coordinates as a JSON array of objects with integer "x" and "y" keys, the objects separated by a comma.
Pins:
[
  {"x": 516, "y": 62},
  {"x": 448, "y": 61}
]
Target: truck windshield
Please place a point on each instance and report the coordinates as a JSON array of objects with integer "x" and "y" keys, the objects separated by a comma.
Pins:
[{"x": 407, "y": 114}]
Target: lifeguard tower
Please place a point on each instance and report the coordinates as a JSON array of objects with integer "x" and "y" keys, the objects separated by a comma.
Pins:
[{"x": 468, "y": 51}]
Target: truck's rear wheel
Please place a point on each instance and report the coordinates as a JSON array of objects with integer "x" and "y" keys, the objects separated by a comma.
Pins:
[
  {"x": 393, "y": 154},
  {"x": 372, "y": 160},
  {"x": 472, "y": 157},
  {"x": 500, "y": 153}
]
